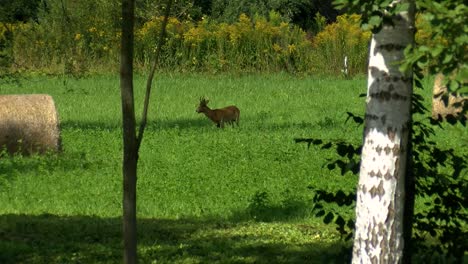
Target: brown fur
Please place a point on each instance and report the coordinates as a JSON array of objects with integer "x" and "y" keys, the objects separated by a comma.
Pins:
[
  {"x": 28, "y": 124},
  {"x": 441, "y": 108},
  {"x": 229, "y": 114}
]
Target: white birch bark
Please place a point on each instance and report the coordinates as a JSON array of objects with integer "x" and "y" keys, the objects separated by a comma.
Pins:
[{"x": 380, "y": 195}]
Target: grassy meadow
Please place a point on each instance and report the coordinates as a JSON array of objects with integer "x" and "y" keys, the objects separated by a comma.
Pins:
[{"x": 205, "y": 195}]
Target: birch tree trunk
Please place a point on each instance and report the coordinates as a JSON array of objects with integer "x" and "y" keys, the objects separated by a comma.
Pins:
[{"x": 380, "y": 195}]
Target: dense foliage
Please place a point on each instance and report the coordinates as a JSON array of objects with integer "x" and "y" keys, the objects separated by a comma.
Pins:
[{"x": 441, "y": 176}]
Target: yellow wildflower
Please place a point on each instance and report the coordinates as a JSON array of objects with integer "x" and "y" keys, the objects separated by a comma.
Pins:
[{"x": 276, "y": 47}]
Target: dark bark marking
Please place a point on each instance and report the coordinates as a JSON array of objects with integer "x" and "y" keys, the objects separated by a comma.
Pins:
[
  {"x": 388, "y": 95},
  {"x": 383, "y": 119},
  {"x": 387, "y": 175},
  {"x": 387, "y": 149},
  {"x": 379, "y": 174},
  {"x": 396, "y": 150},
  {"x": 381, "y": 96},
  {"x": 367, "y": 247},
  {"x": 377, "y": 191},
  {"x": 390, "y": 47},
  {"x": 374, "y": 70},
  {"x": 383, "y": 243},
  {"x": 397, "y": 167},
  {"x": 397, "y": 96},
  {"x": 387, "y": 78},
  {"x": 374, "y": 238},
  {"x": 381, "y": 190},
  {"x": 391, "y": 212},
  {"x": 391, "y": 133},
  {"x": 371, "y": 117},
  {"x": 408, "y": 79},
  {"x": 378, "y": 149},
  {"x": 366, "y": 129},
  {"x": 392, "y": 227},
  {"x": 372, "y": 174}
]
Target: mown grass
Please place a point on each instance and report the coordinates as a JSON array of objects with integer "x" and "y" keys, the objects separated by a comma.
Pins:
[{"x": 205, "y": 195}]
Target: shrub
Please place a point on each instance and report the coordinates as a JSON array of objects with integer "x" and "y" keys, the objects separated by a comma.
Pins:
[
  {"x": 340, "y": 39},
  {"x": 250, "y": 44}
]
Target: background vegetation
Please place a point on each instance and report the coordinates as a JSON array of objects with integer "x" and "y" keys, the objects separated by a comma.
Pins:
[{"x": 81, "y": 37}]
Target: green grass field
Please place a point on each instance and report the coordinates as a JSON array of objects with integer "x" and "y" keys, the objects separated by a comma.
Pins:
[{"x": 205, "y": 195}]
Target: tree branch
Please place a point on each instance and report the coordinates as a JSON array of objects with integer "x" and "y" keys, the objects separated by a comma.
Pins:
[{"x": 162, "y": 36}]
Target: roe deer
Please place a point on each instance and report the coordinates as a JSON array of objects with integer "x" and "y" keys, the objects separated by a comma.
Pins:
[{"x": 229, "y": 114}]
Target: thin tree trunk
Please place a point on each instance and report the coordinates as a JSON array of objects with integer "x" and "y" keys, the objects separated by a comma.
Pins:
[
  {"x": 130, "y": 156},
  {"x": 381, "y": 188}
]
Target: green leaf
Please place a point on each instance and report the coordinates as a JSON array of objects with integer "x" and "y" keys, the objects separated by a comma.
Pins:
[
  {"x": 453, "y": 85},
  {"x": 424, "y": 48},
  {"x": 447, "y": 58},
  {"x": 436, "y": 51},
  {"x": 375, "y": 21},
  {"x": 463, "y": 90},
  {"x": 462, "y": 39},
  {"x": 402, "y": 7}
]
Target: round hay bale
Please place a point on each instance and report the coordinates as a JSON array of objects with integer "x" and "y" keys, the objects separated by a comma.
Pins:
[{"x": 29, "y": 124}]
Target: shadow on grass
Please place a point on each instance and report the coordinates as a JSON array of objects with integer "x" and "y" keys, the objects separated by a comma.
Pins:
[
  {"x": 188, "y": 123},
  {"x": 184, "y": 123},
  {"x": 12, "y": 166},
  {"x": 81, "y": 239}
]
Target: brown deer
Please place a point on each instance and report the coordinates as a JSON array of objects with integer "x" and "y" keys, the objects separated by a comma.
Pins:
[{"x": 229, "y": 114}]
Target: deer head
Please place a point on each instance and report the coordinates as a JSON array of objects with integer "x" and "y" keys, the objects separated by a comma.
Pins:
[{"x": 203, "y": 106}]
